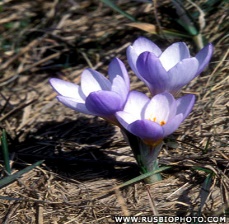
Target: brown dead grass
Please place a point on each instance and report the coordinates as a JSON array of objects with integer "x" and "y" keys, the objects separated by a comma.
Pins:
[{"x": 85, "y": 158}]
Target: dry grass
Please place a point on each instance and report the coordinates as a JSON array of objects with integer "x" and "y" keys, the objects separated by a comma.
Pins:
[{"x": 84, "y": 156}]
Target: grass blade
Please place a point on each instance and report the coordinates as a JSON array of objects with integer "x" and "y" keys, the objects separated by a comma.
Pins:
[
  {"x": 143, "y": 176},
  {"x": 206, "y": 170},
  {"x": 205, "y": 190},
  {"x": 116, "y": 8},
  {"x": 9, "y": 179},
  {"x": 150, "y": 28},
  {"x": 5, "y": 152}
]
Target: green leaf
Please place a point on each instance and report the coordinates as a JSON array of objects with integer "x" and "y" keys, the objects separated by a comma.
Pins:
[
  {"x": 112, "y": 5},
  {"x": 185, "y": 20},
  {"x": 143, "y": 176},
  {"x": 9, "y": 179}
]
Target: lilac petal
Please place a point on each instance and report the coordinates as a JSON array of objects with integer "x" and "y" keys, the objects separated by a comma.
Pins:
[
  {"x": 143, "y": 44},
  {"x": 119, "y": 86},
  {"x": 172, "y": 125},
  {"x": 204, "y": 56},
  {"x": 117, "y": 68},
  {"x": 161, "y": 108},
  {"x": 92, "y": 80},
  {"x": 181, "y": 74},
  {"x": 104, "y": 102},
  {"x": 74, "y": 104},
  {"x": 151, "y": 69},
  {"x": 136, "y": 101},
  {"x": 185, "y": 105},
  {"x": 67, "y": 89},
  {"x": 147, "y": 130},
  {"x": 125, "y": 118},
  {"x": 140, "y": 45},
  {"x": 132, "y": 56},
  {"x": 173, "y": 54},
  {"x": 132, "y": 59}
]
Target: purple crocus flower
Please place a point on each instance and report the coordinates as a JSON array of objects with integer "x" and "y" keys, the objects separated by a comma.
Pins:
[
  {"x": 97, "y": 95},
  {"x": 169, "y": 70},
  {"x": 154, "y": 119}
]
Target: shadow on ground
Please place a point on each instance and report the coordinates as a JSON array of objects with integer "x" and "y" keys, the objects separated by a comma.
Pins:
[{"x": 85, "y": 145}]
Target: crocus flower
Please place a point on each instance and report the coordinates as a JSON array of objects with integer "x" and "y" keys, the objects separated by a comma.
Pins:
[
  {"x": 169, "y": 70},
  {"x": 154, "y": 119},
  {"x": 97, "y": 95}
]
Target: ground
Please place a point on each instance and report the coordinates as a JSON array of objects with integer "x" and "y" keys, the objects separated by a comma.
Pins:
[{"x": 86, "y": 158}]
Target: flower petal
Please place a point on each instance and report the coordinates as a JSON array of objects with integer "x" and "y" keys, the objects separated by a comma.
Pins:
[
  {"x": 67, "y": 89},
  {"x": 151, "y": 69},
  {"x": 140, "y": 45},
  {"x": 181, "y": 74},
  {"x": 185, "y": 105},
  {"x": 119, "y": 86},
  {"x": 173, "y": 54},
  {"x": 117, "y": 68},
  {"x": 104, "y": 103},
  {"x": 161, "y": 108},
  {"x": 92, "y": 80},
  {"x": 172, "y": 125},
  {"x": 147, "y": 130},
  {"x": 143, "y": 44},
  {"x": 204, "y": 56},
  {"x": 136, "y": 101},
  {"x": 74, "y": 104},
  {"x": 125, "y": 118}
]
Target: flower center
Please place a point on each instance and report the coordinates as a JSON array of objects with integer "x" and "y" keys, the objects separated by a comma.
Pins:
[{"x": 154, "y": 119}]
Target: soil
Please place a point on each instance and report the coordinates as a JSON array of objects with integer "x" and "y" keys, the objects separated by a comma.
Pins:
[{"x": 85, "y": 158}]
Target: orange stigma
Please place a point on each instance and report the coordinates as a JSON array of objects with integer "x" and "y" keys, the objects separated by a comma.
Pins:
[{"x": 154, "y": 119}]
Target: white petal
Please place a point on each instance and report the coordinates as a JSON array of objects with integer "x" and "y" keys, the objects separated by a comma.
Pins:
[
  {"x": 143, "y": 44},
  {"x": 74, "y": 104},
  {"x": 65, "y": 88},
  {"x": 173, "y": 54},
  {"x": 136, "y": 101},
  {"x": 119, "y": 86},
  {"x": 125, "y": 118},
  {"x": 172, "y": 125},
  {"x": 117, "y": 68},
  {"x": 181, "y": 74},
  {"x": 161, "y": 108},
  {"x": 92, "y": 81}
]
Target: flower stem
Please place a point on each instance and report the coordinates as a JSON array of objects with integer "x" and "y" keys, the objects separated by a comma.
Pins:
[{"x": 145, "y": 155}]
